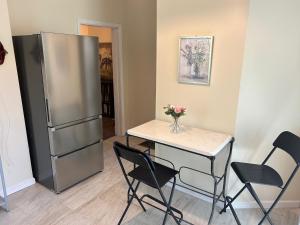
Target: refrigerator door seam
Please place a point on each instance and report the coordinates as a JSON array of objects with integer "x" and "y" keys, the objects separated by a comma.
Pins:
[
  {"x": 79, "y": 149},
  {"x": 76, "y": 122}
]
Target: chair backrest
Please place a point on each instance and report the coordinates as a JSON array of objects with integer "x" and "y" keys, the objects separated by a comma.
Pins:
[
  {"x": 132, "y": 155},
  {"x": 290, "y": 143}
]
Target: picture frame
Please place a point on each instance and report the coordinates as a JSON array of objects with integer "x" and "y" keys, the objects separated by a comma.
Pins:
[
  {"x": 105, "y": 60},
  {"x": 195, "y": 56}
]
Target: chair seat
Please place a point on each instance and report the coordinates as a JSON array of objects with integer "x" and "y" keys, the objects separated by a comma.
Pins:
[
  {"x": 259, "y": 174},
  {"x": 163, "y": 175}
]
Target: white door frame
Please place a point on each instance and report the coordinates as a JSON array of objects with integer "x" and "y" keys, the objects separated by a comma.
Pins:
[{"x": 118, "y": 80}]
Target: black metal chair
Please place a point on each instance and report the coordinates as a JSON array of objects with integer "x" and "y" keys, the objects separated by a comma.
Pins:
[
  {"x": 150, "y": 173},
  {"x": 265, "y": 175}
]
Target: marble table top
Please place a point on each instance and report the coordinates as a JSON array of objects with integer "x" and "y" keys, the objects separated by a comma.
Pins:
[{"x": 200, "y": 141}]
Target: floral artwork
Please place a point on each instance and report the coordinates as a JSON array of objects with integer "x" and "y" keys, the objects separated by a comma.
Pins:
[{"x": 195, "y": 59}]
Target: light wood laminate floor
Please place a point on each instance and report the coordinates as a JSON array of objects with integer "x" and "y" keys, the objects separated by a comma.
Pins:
[{"x": 101, "y": 199}]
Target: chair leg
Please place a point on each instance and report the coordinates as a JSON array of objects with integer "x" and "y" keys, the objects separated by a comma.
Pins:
[
  {"x": 233, "y": 211},
  {"x": 128, "y": 192},
  {"x": 254, "y": 195},
  {"x": 163, "y": 204},
  {"x": 168, "y": 204},
  {"x": 130, "y": 201},
  {"x": 280, "y": 194},
  {"x": 134, "y": 166},
  {"x": 134, "y": 195},
  {"x": 267, "y": 213},
  {"x": 270, "y": 209},
  {"x": 232, "y": 199},
  {"x": 170, "y": 200}
]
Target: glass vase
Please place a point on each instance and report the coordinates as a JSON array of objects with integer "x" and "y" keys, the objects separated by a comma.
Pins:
[{"x": 175, "y": 126}]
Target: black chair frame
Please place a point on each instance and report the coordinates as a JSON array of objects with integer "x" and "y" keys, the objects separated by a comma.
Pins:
[
  {"x": 285, "y": 142},
  {"x": 144, "y": 160}
]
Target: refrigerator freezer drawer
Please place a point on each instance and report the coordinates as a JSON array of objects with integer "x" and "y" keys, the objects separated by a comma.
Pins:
[
  {"x": 72, "y": 168},
  {"x": 71, "y": 138}
]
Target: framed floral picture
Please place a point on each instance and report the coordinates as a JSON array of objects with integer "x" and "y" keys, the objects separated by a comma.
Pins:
[{"x": 195, "y": 54}]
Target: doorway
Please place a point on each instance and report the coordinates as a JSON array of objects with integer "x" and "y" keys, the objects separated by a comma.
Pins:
[{"x": 110, "y": 67}]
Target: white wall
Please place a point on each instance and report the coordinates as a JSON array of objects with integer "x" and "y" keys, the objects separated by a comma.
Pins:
[
  {"x": 60, "y": 15},
  {"x": 137, "y": 18},
  {"x": 140, "y": 59},
  {"x": 13, "y": 141},
  {"x": 138, "y": 21},
  {"x": 269, "y": 100},
  {"x": 265, "y": 103},
  {"x": 214, "y": 106}
]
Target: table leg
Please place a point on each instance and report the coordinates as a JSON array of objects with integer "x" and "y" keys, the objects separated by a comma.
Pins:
[
  {"x": 127, "y": 139},
  {"x": 212, "y": 162},
  {"x": 216, "y": 179},
  {"x": 128, "y": 192},
  {"x": 5, "y": 204},
  {"x": 225, "y": 173}
]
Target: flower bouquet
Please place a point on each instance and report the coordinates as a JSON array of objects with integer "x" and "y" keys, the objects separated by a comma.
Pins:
[{"x": 176, "y": 112}]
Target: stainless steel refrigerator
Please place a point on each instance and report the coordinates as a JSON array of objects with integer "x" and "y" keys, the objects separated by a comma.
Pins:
[{"x": 60, "y": 88}]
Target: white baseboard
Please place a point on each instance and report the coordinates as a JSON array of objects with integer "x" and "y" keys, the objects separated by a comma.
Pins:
[
  {"x": 18, "y": 187},
  {"x": 242, "y": 205},
  {"x": 267, "y": 204}
]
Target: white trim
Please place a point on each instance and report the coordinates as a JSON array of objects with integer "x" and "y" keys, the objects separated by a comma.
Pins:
[
  {"x": 242, "y": 205},
  {"x": 82, "y": 21},
  {"x": 267, "y": 204},
  {"x": 20, "y": 186},
  {"x": 117, "y": 68}
]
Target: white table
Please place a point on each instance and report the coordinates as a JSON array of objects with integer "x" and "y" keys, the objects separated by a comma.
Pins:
[{"x": 196, "y": 141}]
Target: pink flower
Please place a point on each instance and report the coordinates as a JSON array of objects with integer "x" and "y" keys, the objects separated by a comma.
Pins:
[
  {"x": 175, "y": 110},
  {"x": 178, "y": 109}
]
